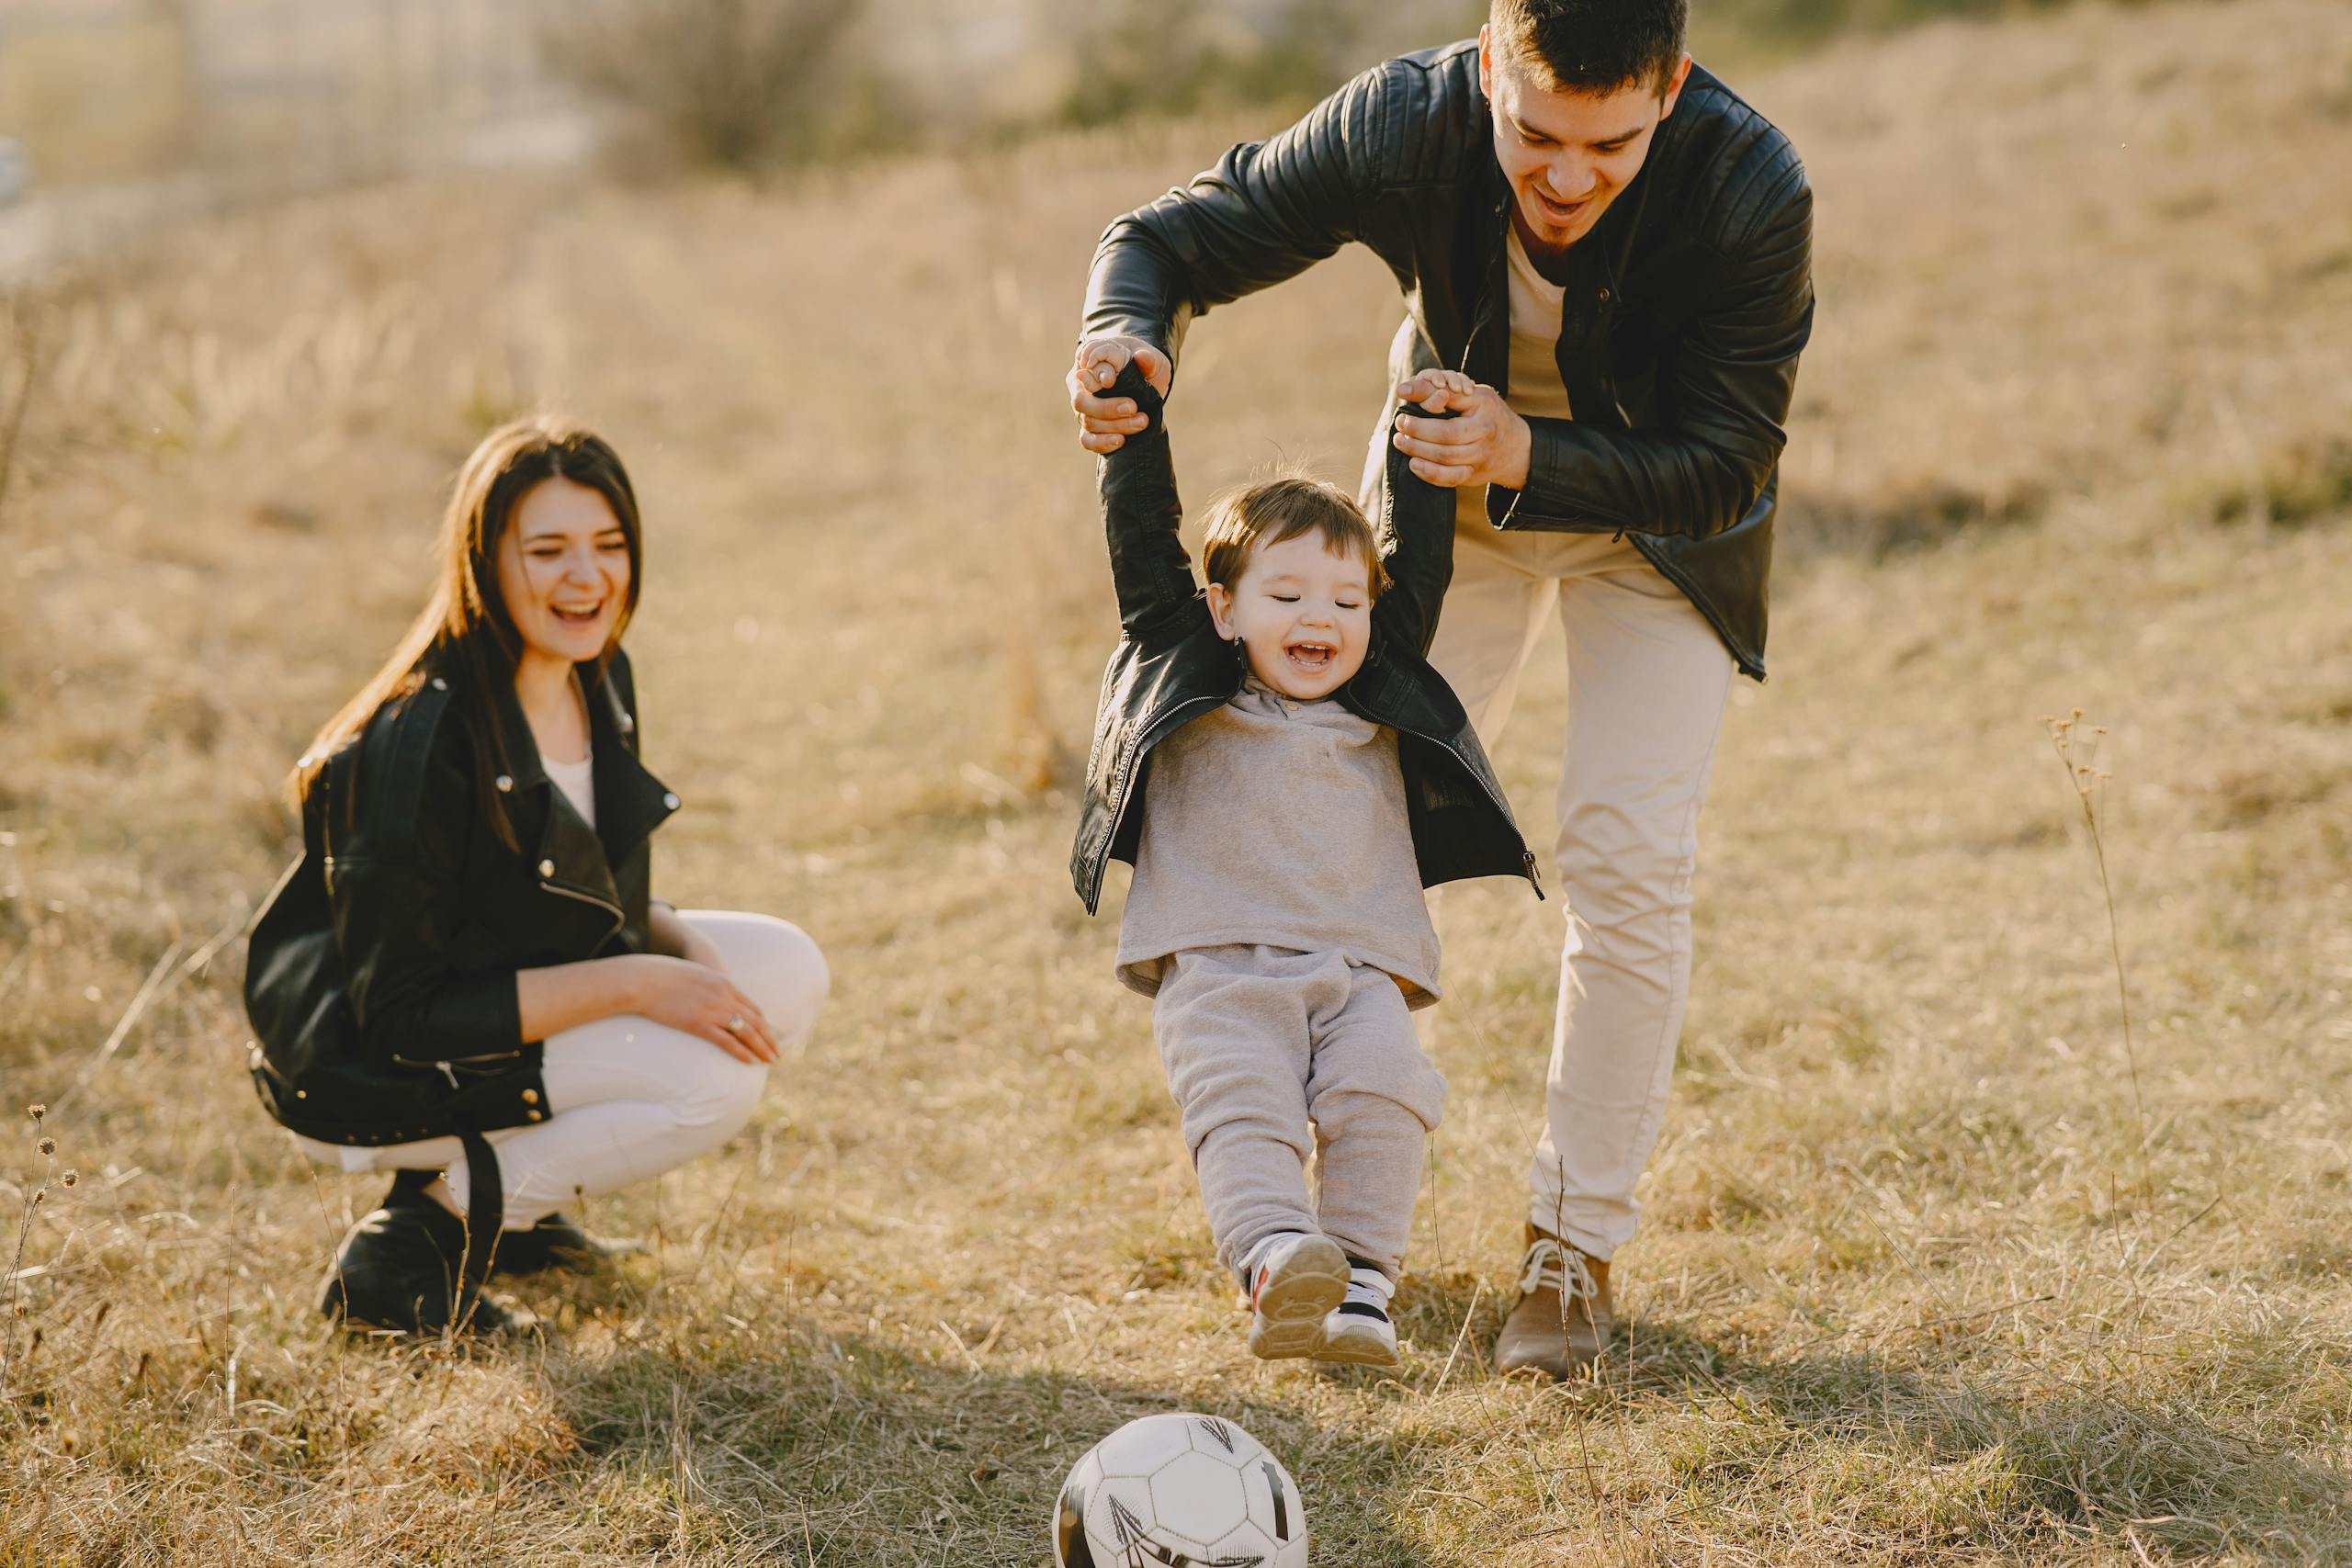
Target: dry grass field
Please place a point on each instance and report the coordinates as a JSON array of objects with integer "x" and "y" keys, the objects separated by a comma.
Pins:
[{"x": 1935, "y": 1269}]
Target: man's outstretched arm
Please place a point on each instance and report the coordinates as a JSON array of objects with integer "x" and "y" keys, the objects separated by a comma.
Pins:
[{"x": 1268, "y": 211}]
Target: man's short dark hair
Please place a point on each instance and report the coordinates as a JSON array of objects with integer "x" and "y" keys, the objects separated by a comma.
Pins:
[{"x": 1593, "y": 46}]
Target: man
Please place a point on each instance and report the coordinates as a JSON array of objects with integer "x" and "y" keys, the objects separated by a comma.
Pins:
[{"x": 1619, "y": 250}]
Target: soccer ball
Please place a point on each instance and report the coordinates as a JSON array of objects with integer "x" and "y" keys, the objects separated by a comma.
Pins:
[{"x": 1180, "y": 1492}]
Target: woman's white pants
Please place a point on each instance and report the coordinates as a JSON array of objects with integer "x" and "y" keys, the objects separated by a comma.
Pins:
[{"x": 627, "y": 1097}]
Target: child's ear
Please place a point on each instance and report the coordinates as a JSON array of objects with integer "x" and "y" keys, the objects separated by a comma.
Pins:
[{"x": 1221, "y": 610}]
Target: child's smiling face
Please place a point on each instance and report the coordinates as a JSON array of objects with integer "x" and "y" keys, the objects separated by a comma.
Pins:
[{"x": 1302, "y": 611}]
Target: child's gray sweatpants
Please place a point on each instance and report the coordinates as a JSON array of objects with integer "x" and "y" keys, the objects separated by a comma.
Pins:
[{"x": 1260, "y": 1042}]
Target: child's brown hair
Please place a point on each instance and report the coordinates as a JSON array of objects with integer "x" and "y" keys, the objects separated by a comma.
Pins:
[{"x": 1283, "y": 509}]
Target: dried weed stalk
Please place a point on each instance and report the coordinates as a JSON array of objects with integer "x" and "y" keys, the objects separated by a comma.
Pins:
[
  {"x": 34, "y": 1197},
  {"x": 2077, "y": 745},
  {"x": 20, "y": 399}
]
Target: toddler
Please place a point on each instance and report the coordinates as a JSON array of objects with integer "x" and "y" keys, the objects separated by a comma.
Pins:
[{"x": 1309, "y": 774}]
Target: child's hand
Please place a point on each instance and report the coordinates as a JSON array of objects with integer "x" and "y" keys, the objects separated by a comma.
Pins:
[
  {"x": 1103, "y": 422},
  {"x": 1437, "y": 390},
  {"x": 1486, "y": 442}
]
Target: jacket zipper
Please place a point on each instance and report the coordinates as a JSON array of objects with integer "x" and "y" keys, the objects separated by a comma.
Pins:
[
  {"x": 446, "y": 1065},
  {"x": 1526, "y": 856},
  {"x": 612, "y": 910},
  {"x": 1126, "y": 788},
  {"x": 1654, "y": 553},
  {"x": 1486, "y": 311}
]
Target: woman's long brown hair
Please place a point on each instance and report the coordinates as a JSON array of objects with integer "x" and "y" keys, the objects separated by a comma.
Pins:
[{"x": 465, "y": 629}]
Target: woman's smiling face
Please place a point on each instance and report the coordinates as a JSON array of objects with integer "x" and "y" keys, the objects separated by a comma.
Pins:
[{"x": 563, "y": 570}]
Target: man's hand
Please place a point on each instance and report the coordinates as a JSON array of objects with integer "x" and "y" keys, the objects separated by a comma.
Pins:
[
  {"x": 1104, "y": 423},
  {"x": 1484, "y": 443}
]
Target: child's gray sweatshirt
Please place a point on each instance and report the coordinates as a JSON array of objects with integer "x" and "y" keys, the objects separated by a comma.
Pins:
[{"x": 1278, "y": 823}]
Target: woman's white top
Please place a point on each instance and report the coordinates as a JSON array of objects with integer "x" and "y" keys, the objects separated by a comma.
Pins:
[{"x": 578, "y": 781}]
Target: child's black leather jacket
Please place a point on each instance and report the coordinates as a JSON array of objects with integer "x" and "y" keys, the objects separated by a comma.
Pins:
[{"x": 1171, "y": 667}]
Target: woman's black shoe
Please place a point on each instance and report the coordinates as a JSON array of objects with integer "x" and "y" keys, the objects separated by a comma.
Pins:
[
  {"x": 554, "y": 1243},
  {"x": 403, "y": 1266}
]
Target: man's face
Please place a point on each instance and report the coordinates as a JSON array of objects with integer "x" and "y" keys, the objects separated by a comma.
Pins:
[{"x": 1567, "y": 154}]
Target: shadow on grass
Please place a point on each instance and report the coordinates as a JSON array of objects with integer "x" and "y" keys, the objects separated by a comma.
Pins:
[
  {"x": 2014, "y": 1458},
  {"x": 786, "y": 1444},
  {"x": 817, "y": 1451},
  {"x": 2034, "y": 1454}
]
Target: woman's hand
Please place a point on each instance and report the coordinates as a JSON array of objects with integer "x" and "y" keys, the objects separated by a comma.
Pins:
[
  {"x": 701, "y": 1001},
  {"x": 1484, "y": 443}
]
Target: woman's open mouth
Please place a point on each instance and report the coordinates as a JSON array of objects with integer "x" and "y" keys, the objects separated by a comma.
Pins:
[{"x": 577, "y": 614}]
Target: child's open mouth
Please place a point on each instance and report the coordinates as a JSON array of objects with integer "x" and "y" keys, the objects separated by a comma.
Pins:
[{"x": 1314, "y": 658}]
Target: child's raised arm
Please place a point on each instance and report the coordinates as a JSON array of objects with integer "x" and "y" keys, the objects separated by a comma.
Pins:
[
  {"x": 1416, "y": 526},
  {"x": 1141, "y": 515}
]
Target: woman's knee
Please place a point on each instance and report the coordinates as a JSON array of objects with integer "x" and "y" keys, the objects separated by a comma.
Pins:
[
  {"x": 719, "y": 1092},
  {"x": 775, "y": 962}
]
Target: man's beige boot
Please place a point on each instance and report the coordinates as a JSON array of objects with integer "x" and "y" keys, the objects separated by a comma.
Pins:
[{"x": 1563, "y": 1320}]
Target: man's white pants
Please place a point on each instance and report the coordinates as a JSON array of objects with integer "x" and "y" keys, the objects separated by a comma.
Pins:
[{"x": 1647, "y": 679}]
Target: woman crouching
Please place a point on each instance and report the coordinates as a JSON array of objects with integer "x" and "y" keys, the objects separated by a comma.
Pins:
[{"x": 465, "y": 979}]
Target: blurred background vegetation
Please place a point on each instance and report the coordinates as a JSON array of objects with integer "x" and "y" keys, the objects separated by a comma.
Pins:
[
  {"x": 244, "y": 95},
  {"x": 1918, "y": 1285}
]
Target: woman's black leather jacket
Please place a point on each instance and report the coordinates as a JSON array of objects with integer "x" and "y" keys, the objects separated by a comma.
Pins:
[
  {"x": 380, "y": 977},
  {"x": 1171, "y": 667}
]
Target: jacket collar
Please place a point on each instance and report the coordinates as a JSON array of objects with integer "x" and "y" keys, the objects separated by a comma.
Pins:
[{"x": 630, "y": 801}]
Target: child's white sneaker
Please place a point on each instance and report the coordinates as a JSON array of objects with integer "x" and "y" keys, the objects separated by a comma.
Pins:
[
  {"x": 1358, "y": 1333},
  {"x": 1295, "y": 1280}
]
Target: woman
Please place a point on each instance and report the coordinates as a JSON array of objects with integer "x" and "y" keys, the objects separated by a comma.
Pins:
[{"x": 465, "y": 979}]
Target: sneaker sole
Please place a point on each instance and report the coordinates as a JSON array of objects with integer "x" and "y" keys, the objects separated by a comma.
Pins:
[{"x": 1288, "y": 1320}]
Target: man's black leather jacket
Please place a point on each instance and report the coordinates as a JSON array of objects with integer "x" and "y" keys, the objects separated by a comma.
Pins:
[
  {"x": 380, "y": 977},
  {"x": 1171, "y": 667},
  {"x": 1686, "y": 305}
]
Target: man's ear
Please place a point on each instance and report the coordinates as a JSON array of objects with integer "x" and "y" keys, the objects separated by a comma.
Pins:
[
  {"x": 1221, "y": 610},
  {"x": 1673, "y": 93},
  {"x": 1487, "y": 61}
]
